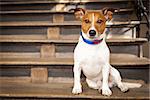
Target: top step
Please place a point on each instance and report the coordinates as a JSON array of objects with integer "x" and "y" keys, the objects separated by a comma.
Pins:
[
  {"x": 9, "y": 2},
  {"x": 50, "y": 11}
]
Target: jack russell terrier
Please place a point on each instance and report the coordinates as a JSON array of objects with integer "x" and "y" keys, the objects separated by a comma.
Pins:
[{"x": 92, "y": 55}]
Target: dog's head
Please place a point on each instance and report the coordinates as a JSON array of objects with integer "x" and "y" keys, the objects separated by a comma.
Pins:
[{"x": 93, "y": 22}]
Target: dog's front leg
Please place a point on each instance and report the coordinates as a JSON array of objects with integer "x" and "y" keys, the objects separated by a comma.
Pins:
[
  {"x": 105, "y": 87},
  {"x": 77, "y": 84}
]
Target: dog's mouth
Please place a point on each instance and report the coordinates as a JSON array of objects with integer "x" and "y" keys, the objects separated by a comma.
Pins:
[
  {"x": 95, "y": 37},
  {"x": 92, "y": 37}
]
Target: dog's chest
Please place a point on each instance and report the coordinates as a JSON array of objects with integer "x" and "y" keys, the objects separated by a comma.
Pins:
[
  {"x": 91, "y": 58},
  {"x": 91, "y": 64},
  {"x": 91, "y": 53}
]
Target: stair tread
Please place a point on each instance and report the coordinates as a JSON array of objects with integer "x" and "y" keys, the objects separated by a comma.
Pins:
[
  {"x": 19, "y": 54},
  {"x": 63, "y": 90},
  {"x": 66, "y": 23},
  {"x": 67, "y": 59},
  {"x": 49, "y": 11},
  {"x": 62, "y": 39},
  {"x": 60, "y": 1}
]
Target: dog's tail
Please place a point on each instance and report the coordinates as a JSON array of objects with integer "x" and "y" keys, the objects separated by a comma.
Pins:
[{"x": 132, "y": 85}]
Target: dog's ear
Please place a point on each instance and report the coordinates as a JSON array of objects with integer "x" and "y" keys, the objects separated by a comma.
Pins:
[
  {"x": 79, "y": 13},
  {"x": 108, "y": 13}
]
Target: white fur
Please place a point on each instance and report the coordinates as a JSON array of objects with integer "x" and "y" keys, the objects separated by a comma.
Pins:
[{"x": 93, "y": 60}]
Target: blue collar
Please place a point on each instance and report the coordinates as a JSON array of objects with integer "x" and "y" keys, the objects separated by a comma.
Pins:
[{"x": 91, "y": 42}]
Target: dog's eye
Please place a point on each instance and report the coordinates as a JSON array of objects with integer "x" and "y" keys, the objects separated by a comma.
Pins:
[
  {"x": 86, "y": 21},
  {"x": 99, "y": 21}
]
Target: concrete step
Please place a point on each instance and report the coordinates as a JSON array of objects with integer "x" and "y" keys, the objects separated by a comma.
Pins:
[
  {"x": 65, "y": 39},
  {"x": 123, "y": 14},
  {"x": 52, "y": 12},
  {"x": 66, "y": 23},
  {"x": 9, "y": 2},
  {"x": 61, "y": 89},
  {"x": 67, "y": 59}
]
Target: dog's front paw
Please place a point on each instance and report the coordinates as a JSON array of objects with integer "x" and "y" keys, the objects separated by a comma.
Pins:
[
  {"x": 106, "y": 92},
  {"x": 77, "y": 90}
]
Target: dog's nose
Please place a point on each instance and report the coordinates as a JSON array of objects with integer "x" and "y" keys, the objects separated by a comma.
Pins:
[{"x": 92, "y": 32}]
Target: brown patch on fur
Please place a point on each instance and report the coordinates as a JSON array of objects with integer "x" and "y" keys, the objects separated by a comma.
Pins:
[
  {"x": 99, "y": 22},
  {"x": 100, "y": 27},
  {"x": 86, "y": 18},
  {"x": 86, "y": 22}
]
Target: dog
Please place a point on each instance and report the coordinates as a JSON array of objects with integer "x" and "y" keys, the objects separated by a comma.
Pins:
[{"x": 92, "y": 55}]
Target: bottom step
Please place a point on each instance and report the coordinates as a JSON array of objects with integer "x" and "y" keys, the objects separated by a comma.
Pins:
[{"x": 62, "y": 90}]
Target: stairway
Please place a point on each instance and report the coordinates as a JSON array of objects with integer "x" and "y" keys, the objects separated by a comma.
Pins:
[{"x": 37, "y": 39}]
